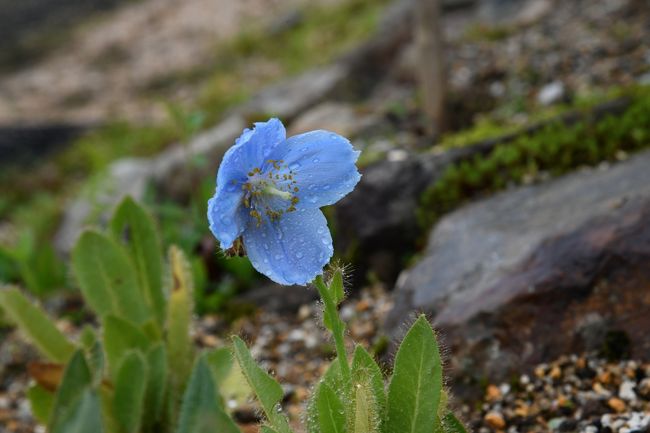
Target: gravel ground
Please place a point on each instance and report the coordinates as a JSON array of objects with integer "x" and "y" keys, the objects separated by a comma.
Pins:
[{"x": 572, "y": 394}]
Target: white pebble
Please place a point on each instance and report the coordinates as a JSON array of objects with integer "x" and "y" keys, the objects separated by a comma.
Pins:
[{"x": 626, "y": 391}]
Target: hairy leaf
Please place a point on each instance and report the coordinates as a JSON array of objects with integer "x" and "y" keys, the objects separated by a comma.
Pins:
[
  {"x": 130, "y": 387},
  {"x": 120, "y": 337},
  {"x": 201, "y": 412},
  {"x": 107, "y": 278},
  {"x": 330, "y": 409},
  {"x": 133, "y": 227},
  {"x": 36, "y": 326},
  {"x": 266, "y": 389},
  {"x": 414, "y": 390}
]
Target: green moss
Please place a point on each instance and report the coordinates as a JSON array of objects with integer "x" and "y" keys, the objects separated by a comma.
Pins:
[
  {"x": 481, "y": 32},
  {"x": 555, "y": 149}
]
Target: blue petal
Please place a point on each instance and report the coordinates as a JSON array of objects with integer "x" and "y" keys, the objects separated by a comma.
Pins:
[
  {"x": 323, "y": 164},
  {"x": 227, "y": 216},
  {"x": 250, "y": 150},
  {"x": 292, "y": 249}
]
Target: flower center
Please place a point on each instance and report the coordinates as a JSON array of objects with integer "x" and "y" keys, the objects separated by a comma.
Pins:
[{"x": 270, "y": 191}]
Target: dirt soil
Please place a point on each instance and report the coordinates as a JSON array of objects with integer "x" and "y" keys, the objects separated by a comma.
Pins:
[{"x": 112, "y": 58}]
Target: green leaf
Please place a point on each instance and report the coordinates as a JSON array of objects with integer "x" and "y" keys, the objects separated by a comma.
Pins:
[
  {"x": 77, "y": 378},
  {"x": 366, "y": 417},
  {"x": 83, "y": 416},
  {"x": 37, "y": 327},
  {"x": 366, "y": 370},
  {"x": 330, "y": 409},
  {"x": 451, "y": 424},
  {"x": 156, "y": 383},
  {"x": 220, "y": 362},
  {"x": 336, "y": 287},
  {"x": 107, "y": 278},
  {"x": 130, "y": 387},
  {"x": 120, "y": 337},
  {"x": 414, "y": 390},
  {"x": 133, "y": 227},
  {"x": 200, "y": 411},
  {"x": 333, "y": 379},
  {"x": 369, "y": 393},
  {"x": 180, "y": 348},
  {"x": 41, "y": 402},
  {"x": 266, "y": 389}
]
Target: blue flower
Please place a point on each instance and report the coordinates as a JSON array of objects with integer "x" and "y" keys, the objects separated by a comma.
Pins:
[{"x": 269, "y": 191}]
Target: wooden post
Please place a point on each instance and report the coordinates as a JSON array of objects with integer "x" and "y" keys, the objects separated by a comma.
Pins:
[{"x": 431, "y": 63}]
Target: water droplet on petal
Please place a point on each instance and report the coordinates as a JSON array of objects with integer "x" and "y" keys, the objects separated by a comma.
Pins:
[
  {"x": 312, "y": 199},
  {"x": 326, "y": 187},
  {"x": 315, "y": 160},
  {"x": 279, "y": 235},
  {"x": 294, "y": 166},
  {"x": 278, "y": 256},
  {"x": 266, "y": 247},
  {"x": 320, "y": 230},
  {"x": 299, "y": 255},
  {"x": 266, "y": 260},
  {"x": 326, "y": 241}
]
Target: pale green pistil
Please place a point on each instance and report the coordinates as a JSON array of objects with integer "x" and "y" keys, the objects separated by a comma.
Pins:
[
  {"x": 270, "y": 190},
  {"x": 262, "y": 192}
]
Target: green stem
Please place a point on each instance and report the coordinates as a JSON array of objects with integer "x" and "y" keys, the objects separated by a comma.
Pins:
[{"x": 337, "y": 327}]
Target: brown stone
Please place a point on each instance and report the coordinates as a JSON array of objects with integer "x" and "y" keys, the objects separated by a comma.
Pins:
[
  {"x": 492, "y": 393},
  {"x": 495, "y": 420},
  {"x": 616, "y": 404}
]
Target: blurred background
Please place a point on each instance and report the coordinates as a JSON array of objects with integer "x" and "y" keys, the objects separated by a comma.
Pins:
[{"x": 506, "y": 187}]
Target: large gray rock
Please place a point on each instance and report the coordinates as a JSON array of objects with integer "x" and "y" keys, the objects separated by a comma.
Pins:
[{"x": 538, "y": 271}]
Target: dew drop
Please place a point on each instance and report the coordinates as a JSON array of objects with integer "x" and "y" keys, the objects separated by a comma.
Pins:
[
  {"x": 326, "y": 187},
  {"x": 266, "y": 247},
  {"x": 299, "y": 255},
  {"x": 266, "y": 260},
  {"x": 278, "y": 256},
  {"x": 294, "y": 166},
  {"x": 312, "y": 199},
  {"x": 320, "y": 230},
  {"x": 325, "y": 241},
  {"x": 315, "y": 160}
]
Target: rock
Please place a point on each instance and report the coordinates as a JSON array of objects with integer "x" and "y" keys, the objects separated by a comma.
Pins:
[
  {"x": 29, "y": 143},
  {"x": 513, "y": 12},
  {"x": 376, "y": 222},
  {"x": 332, "y": 116},
  {"x": 616, "y": 404},
  {"x": 510, "y": 281},
  {"x": 279, "y": 299},
  {"x": 551, "y": 93},
  {"x": 290, "y": 97},
  {"x": 495, "y": 420},
  {"x": 626, "y": 391}
]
